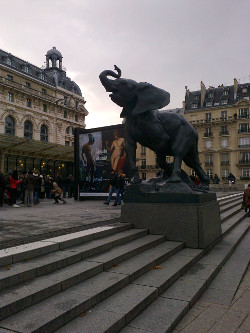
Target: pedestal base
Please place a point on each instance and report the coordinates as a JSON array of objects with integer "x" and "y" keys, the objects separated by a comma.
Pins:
[{"x": 190, "y": 218}]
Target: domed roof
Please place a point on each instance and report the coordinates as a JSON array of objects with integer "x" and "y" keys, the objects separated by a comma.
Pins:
[{"x": 54, "y": 51}]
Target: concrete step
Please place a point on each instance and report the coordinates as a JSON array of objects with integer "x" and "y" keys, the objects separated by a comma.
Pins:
[
  {"x": 168, "y": 309},
  {"x": 90, "y": 292},
  {"x": 232, "y": 222},
  {"x": 229, "y": 213},
  {"x": 14, "y": 274},
  {"x": 229, "y": 198},
  {"x": 20, "y": 297},
  {"x": 236, "y": 202},
  {"x": 23, "y": 252}
]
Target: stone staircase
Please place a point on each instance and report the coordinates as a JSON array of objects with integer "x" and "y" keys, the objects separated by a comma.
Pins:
[{"x": 111, "y": 278}]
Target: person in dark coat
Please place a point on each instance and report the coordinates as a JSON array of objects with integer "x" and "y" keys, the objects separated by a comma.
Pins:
[
  {"x": 246, "y": 199},
  {"x": 3, "y": 183},
  {"x": 112, "y": 181},
  {"x": 29, "y": 183},
  {"x": 120, "y": 183}
]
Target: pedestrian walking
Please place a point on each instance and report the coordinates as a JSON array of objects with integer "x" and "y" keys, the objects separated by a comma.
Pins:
[
  {"x": 120, "y": 183},
  {"x": 56, "y": 192},
  {"x": 112, "y": 181}
]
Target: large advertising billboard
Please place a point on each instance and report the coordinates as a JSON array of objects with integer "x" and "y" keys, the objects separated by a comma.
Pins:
[{"x": 97, "y": 152}]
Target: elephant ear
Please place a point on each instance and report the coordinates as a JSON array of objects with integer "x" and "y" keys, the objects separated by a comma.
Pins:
[{"x": 150, "y": 98}]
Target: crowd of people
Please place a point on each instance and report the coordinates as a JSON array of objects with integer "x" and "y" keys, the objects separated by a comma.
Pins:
[{"x": 29, "y": 188}]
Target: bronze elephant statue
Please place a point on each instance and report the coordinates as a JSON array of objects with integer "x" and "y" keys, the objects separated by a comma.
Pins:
[{"x": 166, "y": 133}]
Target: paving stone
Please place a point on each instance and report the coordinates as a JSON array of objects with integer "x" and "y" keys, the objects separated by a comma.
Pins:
[
  {"x": 161, "y": 315},
  {"x": 226, "y": 281},
  {"x": 228, "y": 323},
  {"x": 129, "y": 329},
  {"x": 242, "y": 304},
  {"x": 101, "y": 286},
  {"x": 95, "y": 321},
  {"x": 48, "y": 315},
  {"x": 186, "y": 289},
  {"x": 245, "y": 325},
  {"x": 218, "y": 296},
  {"x": 130, "y": 301}
]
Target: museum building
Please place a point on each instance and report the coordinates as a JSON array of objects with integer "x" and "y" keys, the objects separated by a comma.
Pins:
[{"x": 39, "y": 110}]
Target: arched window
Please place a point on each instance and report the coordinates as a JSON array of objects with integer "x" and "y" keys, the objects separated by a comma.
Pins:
[
  {"x": 9, "y": 126},
  {"x": 44, "y": 133},
  {"x": 67, "y": 130},
  {"x": 28, "y": 129}
]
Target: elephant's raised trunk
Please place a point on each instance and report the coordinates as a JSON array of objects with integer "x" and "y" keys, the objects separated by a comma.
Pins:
[{"x": 107, "y": 83}]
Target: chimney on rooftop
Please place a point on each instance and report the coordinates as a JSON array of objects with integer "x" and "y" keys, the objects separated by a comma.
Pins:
[
  {"x": 235, "y": 88},
  {"x": 203, "y": 93}
]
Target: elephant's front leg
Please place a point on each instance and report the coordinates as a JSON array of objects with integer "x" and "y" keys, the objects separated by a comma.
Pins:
[
  {"x": 176, "y": 174},
  {"x": 131, "y": 154}
]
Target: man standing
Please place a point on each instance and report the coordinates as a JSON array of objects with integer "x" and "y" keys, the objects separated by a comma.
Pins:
[{"x": 29, "y": 183}]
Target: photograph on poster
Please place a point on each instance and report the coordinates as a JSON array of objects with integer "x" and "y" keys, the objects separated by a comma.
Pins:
[{"x": 99, "y": 153}]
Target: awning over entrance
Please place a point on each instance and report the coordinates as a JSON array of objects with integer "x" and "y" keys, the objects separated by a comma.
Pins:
[{"x": 14, "y": 145}]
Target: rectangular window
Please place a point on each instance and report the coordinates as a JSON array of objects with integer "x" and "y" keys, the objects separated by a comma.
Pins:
[
  {"x": 66, "y": 143},
  {"x": 224, "y": 130},
  {"x": 10, "y": 77},
  {"x": 223, "y": 101},
  {"x": 26, "y": 69},
  {"x": 143, "y": 163},
  {"x": 144, "y": 175},
  {"x": 208, "y": 132},
  {"x": 208, "y": 144},
  {"x": 244, "y": 90},
  {"x": 244, "y": 157},
  {"x": 44, "y": 107},
  {"x": 208, "y": 117},
  {"x": 209, "y": 103},
  {"x": 44, "y": 91},
  {"x": 244, "y": 113},
  {"x": 28, "y": 102},
  {"x": 224, "y": 173},
  {"x": 224, "y": 115},
  {"x": 210, "y": 95},
  {"x": 76, "y": 117},
  {"x": 244, "y": 128},
  {"x": 225, "y": 92},
  {"x": 65, "y": 114},
  {"x": 9, "y": 62},
  {"x": 10, "y": 97},
  {"x": 41, "y": 76},
  {"x": 209, "y": 173},
  {"x": 208, "y": 159},
  {"x": 245, "y": 172},
  {"x": 244, "y": 142},
  {"x": 224, "y": 143},
  {"x": 194, "y": 105},
  {"x": 27, "y": 85},
  {"x": 143, "y": 150}
]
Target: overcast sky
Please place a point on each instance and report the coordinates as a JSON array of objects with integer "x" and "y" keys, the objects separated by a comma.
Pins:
[{"x": 169, "y": 43}]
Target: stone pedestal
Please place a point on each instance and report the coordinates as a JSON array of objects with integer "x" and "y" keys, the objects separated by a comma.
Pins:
[{"x": 193, "y": 218}]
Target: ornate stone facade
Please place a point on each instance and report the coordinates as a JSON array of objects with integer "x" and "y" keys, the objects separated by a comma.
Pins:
[{"x": 38, "y": 104}]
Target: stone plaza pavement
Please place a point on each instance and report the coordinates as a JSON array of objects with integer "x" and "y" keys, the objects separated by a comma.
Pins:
[{"x": 48, "y": 218}]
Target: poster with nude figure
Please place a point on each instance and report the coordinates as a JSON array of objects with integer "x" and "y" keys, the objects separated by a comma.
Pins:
[{"x": 99, "y": 151}]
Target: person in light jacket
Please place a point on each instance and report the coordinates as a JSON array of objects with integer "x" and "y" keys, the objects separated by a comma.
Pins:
[{"x": 56, "y": 192}]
